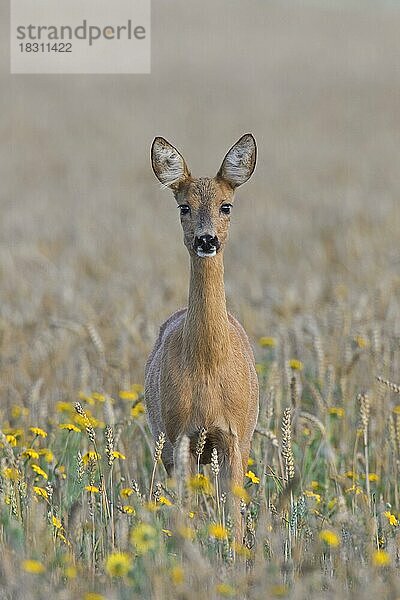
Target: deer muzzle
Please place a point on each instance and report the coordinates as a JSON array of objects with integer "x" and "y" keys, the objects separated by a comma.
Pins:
[{"x": 206, "y": 245}]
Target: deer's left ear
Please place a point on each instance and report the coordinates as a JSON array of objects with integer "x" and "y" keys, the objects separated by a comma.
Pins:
[
  {"x": 239, "y": 162},
  {"x": 168, "y": 164}
]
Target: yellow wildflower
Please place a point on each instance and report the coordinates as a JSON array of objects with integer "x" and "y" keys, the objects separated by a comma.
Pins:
[
  {"x": 200, "y": 483},
  {"x": 331, "y": 504},
  {"x": 60, "y": 471},
  {"x": 71, "y": 572},
  {"x": 311, "y": 494},
  {"x": 315, "y": 485},
  {"x": 19, "y": 411},
  {"x": 56, "y": 522},
  {"x": 91, "y": 455},
  {"x": 177, "y": 575},
  {"x": 250, "y": 461},
  {"x": 241, "y": 550},
  {"x": 217, "y": 531},
  {"x": 99, "y": 397},
  {"x": 30, "y": 453},
  {"x": 39, "y": 491},
  {"x": 296, "y": 364},
  {"x": 240, "y": 492},
  {"x": 224, "y": 589},
  {"x": 11, "y": 440},
  {"x": 92, "y": 489},
  {"x": 86, "y": 398},
  {"x": 373, "y": 477},
  {"x": 151, "y": 506},
  {"x": 128, "y": 509},
  {"x": 13, "y": 431},
  {"x": 137, "y": 410},
  {"x": 381, "y": 558},
  {"x": 144, "y": 538},
  {"x": 117, "y": 454},
  {"x": 128, "y": 395},
  {"x": 118, "y": 564},
  {"x": 69, "y": 427},
  {"x": 187, "y": 532},
  {"x": 338, "y": 411},
  {"x": 93, "y": 596},
  {"x": 126, "y": 492},
  {"x": 38, "y": 431},
  {"x": 47, "y": 453},
  {"x": 355, "y": 489},
  {"x": 16, "y": 411},
  {"x": 11, "y": 473},
  {"x": 351, "y": 475},
  {"x": 65, "y": 407},
  {"x": 167, "y": 532},
  {"x": 267, "y": 341},
  {"x": 391, "y": 518},
  {"x": 329, "y": 537},
  {"x": 82, "y": 422},
  {"x": 39, "y": 471},
  {"x": 361, "y": 342},
  {"x": 33, "y": 566},
  {"x": 165, "y": 501},
  {"x": 253, "y": 477},
  {"x": 62, "y": 537}
]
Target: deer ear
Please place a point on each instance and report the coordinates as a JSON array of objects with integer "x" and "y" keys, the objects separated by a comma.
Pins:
[
  {"x": 240, "y": 161},
  {"x": 168, "y": 164}
]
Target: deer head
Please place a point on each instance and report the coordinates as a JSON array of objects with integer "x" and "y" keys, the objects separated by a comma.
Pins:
[{"x": 205, "y": 203}]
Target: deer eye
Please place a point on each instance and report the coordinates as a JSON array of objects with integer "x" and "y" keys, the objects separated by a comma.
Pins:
[
  {"x": 184, "y": 209},
  {"x": 226, "y": 209}
]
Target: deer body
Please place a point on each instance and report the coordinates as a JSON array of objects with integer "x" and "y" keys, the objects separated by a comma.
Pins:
[{"x": 201, "y": 372}]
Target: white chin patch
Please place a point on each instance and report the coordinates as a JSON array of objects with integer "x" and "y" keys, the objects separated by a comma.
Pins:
[{"x": 206, "y": 254}]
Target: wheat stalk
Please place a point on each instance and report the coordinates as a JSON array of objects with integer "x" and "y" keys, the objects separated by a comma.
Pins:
[
  {"x": 158, "y": 448},
  {"x": 215, "y": 471},
  {"x": 393, "y": 387},
  {"x": 286, "y": 446},
  {"x": 201, "y": 442},
  {"x": 365, "y": 414}
]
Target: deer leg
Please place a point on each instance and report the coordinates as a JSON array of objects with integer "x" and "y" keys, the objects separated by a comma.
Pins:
[
  {"x": 237, "y": 482},
  {"x": 168, "y": 457},
  {"x": 184, "y": 464},
  {"x": 245, "y": 458},
  {"x": 231, "y": 477}
]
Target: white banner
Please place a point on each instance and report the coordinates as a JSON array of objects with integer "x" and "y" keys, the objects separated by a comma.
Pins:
[{"x": 80, "y": 36}]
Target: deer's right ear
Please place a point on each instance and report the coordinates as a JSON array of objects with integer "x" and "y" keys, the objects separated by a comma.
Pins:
[
  {"x": 168, "y": 164},
  {"x": 240, "y": 161}
]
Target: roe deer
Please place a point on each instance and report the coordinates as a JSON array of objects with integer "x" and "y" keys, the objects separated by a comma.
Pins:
[{"x": 201, "y": 371}]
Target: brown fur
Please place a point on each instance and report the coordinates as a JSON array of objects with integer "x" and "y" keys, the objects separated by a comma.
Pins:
[{"x": 201, "y": 372}]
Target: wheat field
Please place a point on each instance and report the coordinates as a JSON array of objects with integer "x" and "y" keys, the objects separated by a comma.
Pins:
[{"x": 92, "y": 262}]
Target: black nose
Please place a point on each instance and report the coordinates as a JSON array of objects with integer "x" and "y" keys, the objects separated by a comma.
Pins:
[{"x": 206, "y": 243}]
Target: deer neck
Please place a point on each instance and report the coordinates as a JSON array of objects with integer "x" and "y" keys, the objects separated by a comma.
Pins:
[{"x": 206, "y": 330}]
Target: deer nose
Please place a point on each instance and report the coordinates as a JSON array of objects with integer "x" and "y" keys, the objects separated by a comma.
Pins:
[{"x": 206, "y": 243}]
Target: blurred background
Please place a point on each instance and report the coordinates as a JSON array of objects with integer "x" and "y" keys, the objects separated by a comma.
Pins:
[{"x": 91, "y": 252}]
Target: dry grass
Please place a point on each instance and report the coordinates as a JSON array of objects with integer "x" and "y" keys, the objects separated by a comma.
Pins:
[{"x": 91, "y": 262}]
